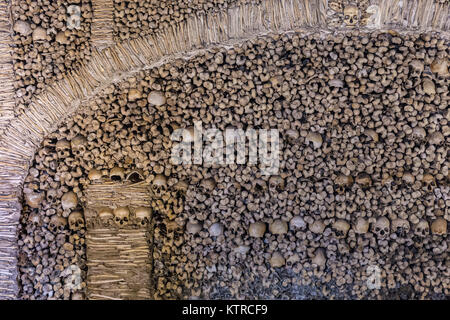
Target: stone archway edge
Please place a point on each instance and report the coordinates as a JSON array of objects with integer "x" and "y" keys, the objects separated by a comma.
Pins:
[
  {"x": 23, "y": 135},
  {"x": 7, "y": 91}
]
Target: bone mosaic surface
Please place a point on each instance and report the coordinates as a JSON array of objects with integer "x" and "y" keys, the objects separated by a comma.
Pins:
[{"x": 22, "y": 135}]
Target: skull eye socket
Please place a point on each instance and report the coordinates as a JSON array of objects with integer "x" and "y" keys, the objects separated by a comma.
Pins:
[
  {"x": 135, "y": 177},
  {"x": 116, "y": 178}
]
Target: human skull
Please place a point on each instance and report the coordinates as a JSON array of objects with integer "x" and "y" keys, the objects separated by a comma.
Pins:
[
  {"x": 61, "y": 38},
  {"x": 134, "y": 94},
  {"x": 143, "y": 215},
  {"x": 361, "y": 226},
  {"x": 35, "y": 219},
  {"x": 418, "y": 133},
  {"x": 319, "y": 258},
  {"x": 23, "y": 28},
  {"x": 408, "y": 178},
  {"x": 69, "y": 200},
  {"x": 429, "y": 87},
  {"x": 39, "y": 34},
  {"x": 76, "y": 221},
  {"x": 193, "y": 227},
  {"x": 121, "y": 216},
  {"x": 400, "y": 227},
  {"x": 117, "y": 174},
  {"x": 364, "y": 180},
  {"x": 422, "y": 229},
  {"x": 207, "y": 185},
  {"x": 95, "y": 175},
  {"x": 257, "y": 229},
  {"x": 156, "y": 98},
  {"x": 439, "y": 226},
  {"x": 135, "y": 176},
  {"x": 416, "y": 68},
  {"x": 340, "y": 228},
  {"x": 297, "y": 223},
  {"x": 343, "y": 181},
  {"x": 351, "y": 15},
  {"x": 382, "y": 227},
  {"x": 52, "y": 194},
  {"x": 278, "y": 227},
  {"x": 292, "y": 259},
  {"x": 277, "y": 260},
  {"x": 440, "y": 67},
  {"x": 315, "y": 139},
  {"x": 317, "y": 227},
  {"x": 159, "y": 185},
  {"x": 34, "y": 199},
  {"x": 276, "y": 183},
  {"x": 63, "y": 149},
  {"x": 435, "y": 138},
  {"x": 216, "y": 229},
  {"x": 57, "y": 223},
  {"x": 429, "y": 182},
  {"x": 78, "y": 145},
  {"x": 106, "y": 215}
]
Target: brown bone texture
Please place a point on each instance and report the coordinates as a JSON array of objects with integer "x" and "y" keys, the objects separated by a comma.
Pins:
[{"x": 21, "y": 136}]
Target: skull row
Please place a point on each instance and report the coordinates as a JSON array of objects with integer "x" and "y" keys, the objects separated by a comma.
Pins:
[
  {"x": 116, "y": 174},
  {"x": 123, "y": 216},
  {"x": 77, "y": 147},
  {"x": 382, "y": 227}
]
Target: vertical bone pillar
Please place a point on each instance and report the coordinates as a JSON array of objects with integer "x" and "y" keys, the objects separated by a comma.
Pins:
[{"x": 118, "y": 241}]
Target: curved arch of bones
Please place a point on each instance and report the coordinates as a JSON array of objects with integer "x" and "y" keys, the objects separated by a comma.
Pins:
[{"x": 112, "y": 63}]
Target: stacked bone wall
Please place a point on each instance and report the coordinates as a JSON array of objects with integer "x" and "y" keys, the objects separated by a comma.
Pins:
[
  {"x": 40, "y": 263},
  {"x": 363, "y": 180},
  {"x": 119, "y": 256}
]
